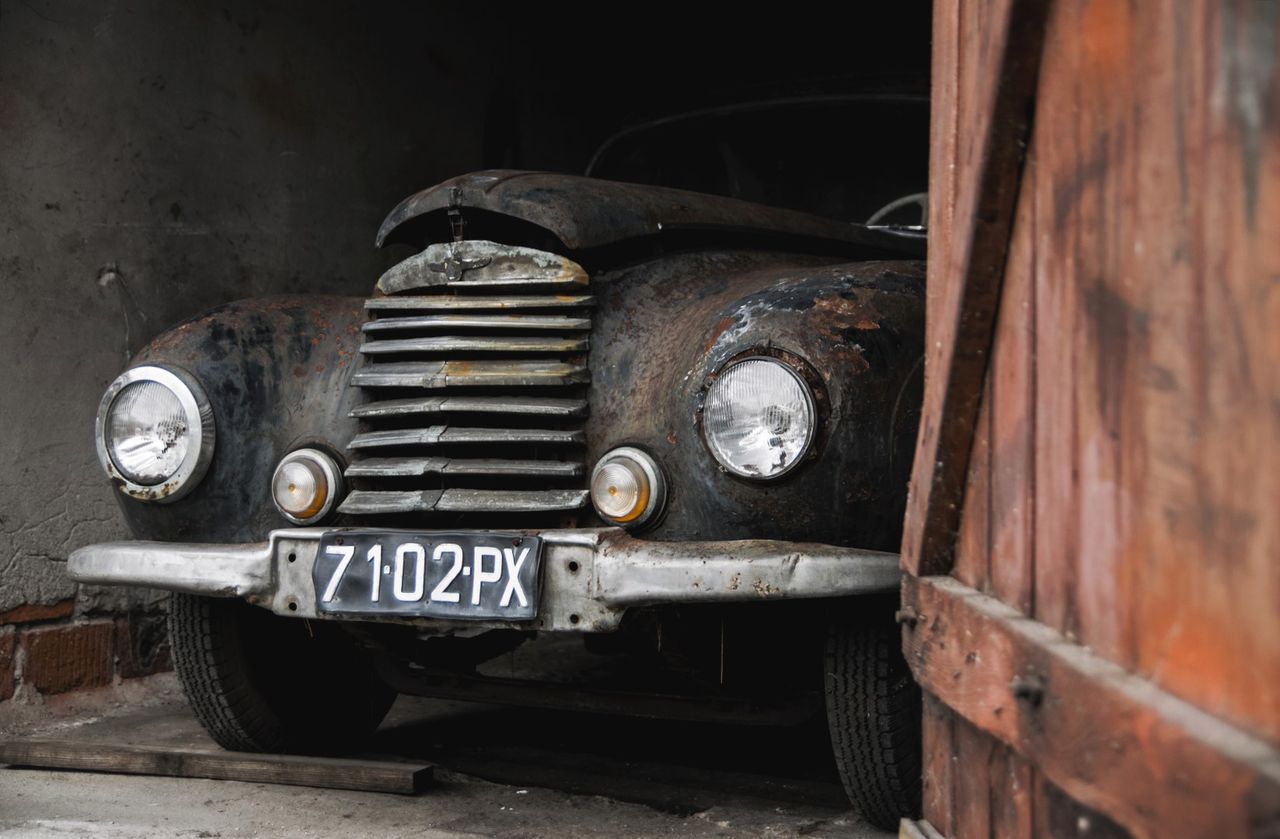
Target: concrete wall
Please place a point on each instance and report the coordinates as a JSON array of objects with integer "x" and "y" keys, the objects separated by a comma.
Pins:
[{"x": 156, "y": 159}]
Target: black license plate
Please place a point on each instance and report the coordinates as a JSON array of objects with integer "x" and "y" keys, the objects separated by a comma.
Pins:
[{"x": 439, "y": 575}]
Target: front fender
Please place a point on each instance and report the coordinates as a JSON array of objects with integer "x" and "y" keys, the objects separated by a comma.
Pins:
[
  {"x": 275, "y": 370},
  {"x": 664, "y": 328}
]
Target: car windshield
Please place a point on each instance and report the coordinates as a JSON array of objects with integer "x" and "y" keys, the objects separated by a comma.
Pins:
[{"x": 840, "y": 156}]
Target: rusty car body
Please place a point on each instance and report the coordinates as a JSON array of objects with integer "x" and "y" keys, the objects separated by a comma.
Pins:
[{"x": 541, "y": 324}]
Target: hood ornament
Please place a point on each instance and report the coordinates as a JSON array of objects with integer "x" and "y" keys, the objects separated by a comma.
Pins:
[{"x": 455, "y": 264}]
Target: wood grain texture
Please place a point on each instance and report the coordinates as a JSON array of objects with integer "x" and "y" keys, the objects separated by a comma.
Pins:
[
  {"x": 973, "y": 545},
  {"x": 293, "y": 770},
  {"x": 1003, "y": 46},
  {"x": 972, "y": 781},
  {"x": 1111, "y": 741},
  {"x": 1012, "y": 379},
  {"x": 1123, "y": 487},
  {"x": 1010, "y": 802},
  {"x": 938, "y": 730},
  {"x": 1155, "y": 197}
]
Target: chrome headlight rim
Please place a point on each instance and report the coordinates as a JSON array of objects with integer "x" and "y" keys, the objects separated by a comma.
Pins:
[
  {"x": 812, "y": 387},
  {"x": 200, "y": 428}
]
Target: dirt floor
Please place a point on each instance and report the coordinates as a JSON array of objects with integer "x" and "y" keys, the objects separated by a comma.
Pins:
[{"x": 499, "y": 772}]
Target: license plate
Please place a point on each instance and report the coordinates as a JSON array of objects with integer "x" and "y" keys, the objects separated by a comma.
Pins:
[{"x": 439, "y": 575}]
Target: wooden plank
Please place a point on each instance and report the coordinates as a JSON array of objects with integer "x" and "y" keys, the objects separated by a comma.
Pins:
[
  {"x": 1057, "y": 814},
  {"x": 1157, "y": 363},
  {"x": 939, "y": 739},
  {"x": 1012, "y": 780},
  {"x": 971, "y": 786},
  {"x": 1011, "y": 502},
  {"x": 292, "y": 770},
  {"x": 1208, "y": 488},
  {"x": 1089, "y": 202},
  {"x": 957, "y": 352},
  {"x": 1114, "y": 742},
  {"x": 973, "y": 545},
  {"x": 1056, "y": 534}
]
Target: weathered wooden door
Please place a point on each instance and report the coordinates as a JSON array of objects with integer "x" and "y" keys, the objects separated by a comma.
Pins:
[{"x": 1092, "y": 602}]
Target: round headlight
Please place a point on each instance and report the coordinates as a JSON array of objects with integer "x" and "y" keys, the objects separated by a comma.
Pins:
[
  {"x": 759, "y": 418},
  {"x": 627, "y": 487},
  {"x": 305, "y": 485},
  {"x": 155, "y": 432}
]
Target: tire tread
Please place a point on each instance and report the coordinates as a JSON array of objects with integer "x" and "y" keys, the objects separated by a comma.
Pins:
[{"x": 873, "y": 714}]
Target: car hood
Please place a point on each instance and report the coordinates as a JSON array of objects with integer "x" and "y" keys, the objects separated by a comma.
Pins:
[{"x": 588, "y": 212}]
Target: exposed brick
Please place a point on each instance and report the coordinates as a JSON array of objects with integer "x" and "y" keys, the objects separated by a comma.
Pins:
[
  {"x": 7, "y": 648},
  {"x": 33, "y": 612},
  {"x": 63, "y": 658},
  {"x": 142, "y": 645}
]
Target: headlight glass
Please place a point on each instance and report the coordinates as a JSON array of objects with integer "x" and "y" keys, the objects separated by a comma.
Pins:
[
  {"x": 146, "y": 430},
  {"x": 155, "y": 432},
  {"x": 758, "y": 418}
]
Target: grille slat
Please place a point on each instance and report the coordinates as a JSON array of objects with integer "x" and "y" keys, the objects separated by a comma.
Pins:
[
  {"x": 446, "y": 425},
  {"x": 417, "y": 467},
  {"x": 453, "y": 302},
  {"x": 443, "y": 435},
  {"x": 496, "y": 322},
  {"x": 549, "y": 406},
  {"x": 438, "y": 374},
  {"x": 365, "y": 502},
  {"x": 460, "y": 343}
]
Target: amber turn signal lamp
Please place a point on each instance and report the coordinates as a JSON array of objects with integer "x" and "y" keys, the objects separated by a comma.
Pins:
[
  {"x": 627, "y": 488},
  {"x": 305, "y": 485}
]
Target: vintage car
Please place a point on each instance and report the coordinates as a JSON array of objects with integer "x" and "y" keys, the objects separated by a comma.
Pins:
[{"x": 677, "y": 426}]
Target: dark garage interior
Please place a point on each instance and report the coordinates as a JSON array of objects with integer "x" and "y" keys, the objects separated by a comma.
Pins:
[
  {"x": 163, "y": 159},
  {"x": 490, "y": 419},
  {"x": 160, "y": 160}
]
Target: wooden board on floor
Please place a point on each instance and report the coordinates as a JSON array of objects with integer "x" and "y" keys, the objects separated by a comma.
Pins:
[{"x": 295, "y": 770}]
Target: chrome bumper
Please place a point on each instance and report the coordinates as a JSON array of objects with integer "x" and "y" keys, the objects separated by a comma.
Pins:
[{"x": 589, "y": 577}]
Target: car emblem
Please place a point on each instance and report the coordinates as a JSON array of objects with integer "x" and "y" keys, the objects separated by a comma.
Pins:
[{"x": 454, "y": 266}]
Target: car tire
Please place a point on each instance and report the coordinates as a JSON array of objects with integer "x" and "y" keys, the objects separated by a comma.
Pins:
[
  {"x": 873, "y": 714},
  {"x": 258, "y": 682}
]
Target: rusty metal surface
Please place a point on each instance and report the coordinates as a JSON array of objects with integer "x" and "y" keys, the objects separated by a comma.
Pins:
[
  {"x": 472, "y": 264},
  {"x": 499, "y": 322},
  {"x": 439, "y": 374},
  {"x": 275, "y": 370},
  {"x": 590, "y": 577},
  {"x": 475, "y": 343},
  {"x": 421, "y": 466},
  {"x": 278, "y": 371},
  {"x": 589, "y": 213},
  {"x": 664, "y": 327},
  {"x": 453, "y": 302},
  {"x": 455, "y": 500},
  {"x": 549, "y": 405},
  {"x": 435, "y": 434}
]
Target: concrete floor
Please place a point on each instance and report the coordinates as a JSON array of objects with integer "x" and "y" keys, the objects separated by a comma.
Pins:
[{"x": 499, "y": 772}]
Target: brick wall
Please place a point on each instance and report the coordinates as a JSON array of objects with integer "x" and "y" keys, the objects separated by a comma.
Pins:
[{"x": 50, "y": 649}]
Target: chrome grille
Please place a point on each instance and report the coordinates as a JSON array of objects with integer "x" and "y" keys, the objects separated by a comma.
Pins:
[{"x": 474, "y": 370}]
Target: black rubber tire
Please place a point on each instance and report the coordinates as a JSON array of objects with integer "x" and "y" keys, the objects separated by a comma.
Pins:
[
  {"x": 258, "y": 682},
  {"x": 873, "y": 714}
]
